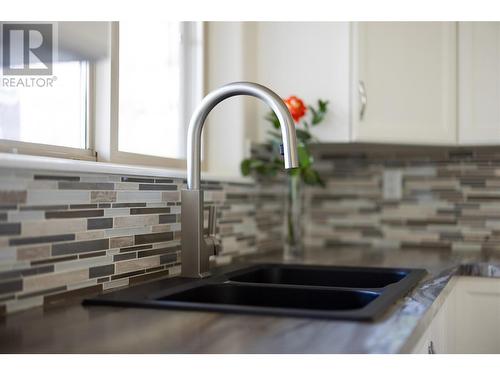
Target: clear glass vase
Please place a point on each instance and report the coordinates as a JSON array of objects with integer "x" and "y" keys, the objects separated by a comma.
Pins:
[{"x": 294, "y": 245}]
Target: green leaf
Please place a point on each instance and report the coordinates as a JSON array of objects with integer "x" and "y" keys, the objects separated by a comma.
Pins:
[
  {"x": 278, "y": 163},
  {"x": 311, "y": 177},
  {"x": 245, "y": 167},
  {"x": 303, "y": 135},
  {"x": 273, "y": 119},
  {"x": 308, "y": 176},
  {"x": 314, "y": 114},
  {"x": 305, "y": 159},
  {"x": 320, "y": 113},
  {"x": 248, "y": 166},
  {"x": 261, "y": 169},
  {"x": 322, "y": 105}
]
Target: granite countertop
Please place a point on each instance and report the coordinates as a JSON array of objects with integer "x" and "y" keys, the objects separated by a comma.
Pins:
[{"x": 73, "y": 328}]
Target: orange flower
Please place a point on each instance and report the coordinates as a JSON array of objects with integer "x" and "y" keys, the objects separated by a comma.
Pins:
[{"x": 296, "y": 107}]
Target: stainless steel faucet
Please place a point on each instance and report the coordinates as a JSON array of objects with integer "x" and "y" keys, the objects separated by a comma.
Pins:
[{"x": 196, "y": 250}]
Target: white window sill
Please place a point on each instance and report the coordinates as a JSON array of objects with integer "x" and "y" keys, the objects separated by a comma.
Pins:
[{"x": 15, "y": 161}]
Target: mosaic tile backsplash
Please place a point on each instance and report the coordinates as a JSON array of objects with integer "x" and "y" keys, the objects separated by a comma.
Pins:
[
  {"x": 405, "y": 197},
  {"x": 63, "y": 235}
]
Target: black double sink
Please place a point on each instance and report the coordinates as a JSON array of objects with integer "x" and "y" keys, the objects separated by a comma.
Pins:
[{"x": 327, "y": 292}]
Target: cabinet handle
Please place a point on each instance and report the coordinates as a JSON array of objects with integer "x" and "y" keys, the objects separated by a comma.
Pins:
[
  {"x": 363, "y": 99},
  {"x": 430, "y": 348}
]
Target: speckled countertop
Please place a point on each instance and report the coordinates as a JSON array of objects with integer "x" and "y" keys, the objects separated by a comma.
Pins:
[{"x": 76, "y": 329}]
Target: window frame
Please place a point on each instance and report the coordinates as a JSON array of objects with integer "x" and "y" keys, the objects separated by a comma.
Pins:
[{"x": 41, "y": 149}]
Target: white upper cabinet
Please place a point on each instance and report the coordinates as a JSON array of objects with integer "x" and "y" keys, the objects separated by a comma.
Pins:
[
  {"x": 479, "y": 82},
  {"x": 403, "y": 87},
  {"x": 310, "y": 60},
  {"x": 427, "y": 83}
]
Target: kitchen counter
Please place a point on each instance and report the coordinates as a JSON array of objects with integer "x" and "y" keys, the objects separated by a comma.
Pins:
[{"x": 73, "y": 328}]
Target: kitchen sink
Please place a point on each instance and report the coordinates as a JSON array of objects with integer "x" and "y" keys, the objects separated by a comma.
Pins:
[
  {"x": 328, "y": 292},
  {"x": 321, "y": 276}
]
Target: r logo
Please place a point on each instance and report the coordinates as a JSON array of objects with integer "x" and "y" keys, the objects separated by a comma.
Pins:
[{"x": 27, "y": 49}]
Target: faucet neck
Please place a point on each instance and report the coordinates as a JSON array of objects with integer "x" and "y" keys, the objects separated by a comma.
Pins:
[{"x": 215, "y": 97}]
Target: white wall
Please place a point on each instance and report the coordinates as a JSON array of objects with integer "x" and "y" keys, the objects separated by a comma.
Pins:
[{"x": 230, "y": 57}]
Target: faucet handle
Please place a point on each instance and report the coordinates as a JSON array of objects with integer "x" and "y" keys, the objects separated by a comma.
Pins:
[
  {"x": 212, "y": 220},
  {"x": 213, "y": 243}
]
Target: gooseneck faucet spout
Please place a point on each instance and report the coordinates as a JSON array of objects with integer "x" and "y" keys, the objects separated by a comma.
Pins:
[{"x": 196, "y": 250}]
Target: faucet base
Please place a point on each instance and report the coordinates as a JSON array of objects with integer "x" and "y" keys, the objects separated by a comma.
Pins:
[{"x": 195, "y": 263}]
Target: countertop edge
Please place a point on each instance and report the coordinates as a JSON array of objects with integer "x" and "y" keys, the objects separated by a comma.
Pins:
[{"x": 425, "y": 320}]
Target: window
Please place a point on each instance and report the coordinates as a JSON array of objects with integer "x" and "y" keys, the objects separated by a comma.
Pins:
[
  {"x": 160, "y": 68},
  {"x": 46, "y": 110},
  {"x": 52, "y": 116},
  {"x": 124, "y": 90}
]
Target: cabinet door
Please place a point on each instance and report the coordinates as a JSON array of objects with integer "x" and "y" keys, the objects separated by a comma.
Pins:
[
  {"x": 404, "y": 82},
  {"x": 479, "y": 82},
  {"x": 439, "y": 337},
  {"x": 311, "y": 60},
  {"x": 478, "y": 315}
]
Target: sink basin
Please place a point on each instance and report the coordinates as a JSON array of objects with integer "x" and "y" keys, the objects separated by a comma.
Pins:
[
  {"x": 274, "y": 300},
  {"x": 352, "y": 293},
  {"x": 320, "y": 276}
]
